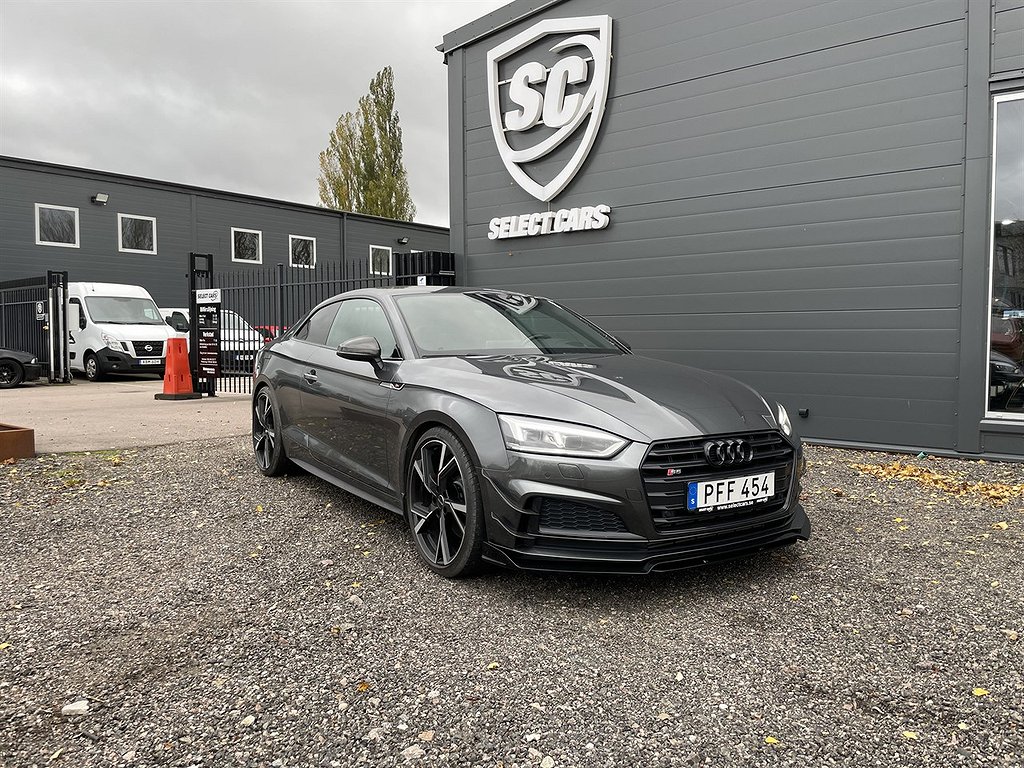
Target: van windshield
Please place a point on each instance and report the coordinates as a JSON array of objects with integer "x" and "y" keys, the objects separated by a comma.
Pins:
[{"x": 123, "y": 310}]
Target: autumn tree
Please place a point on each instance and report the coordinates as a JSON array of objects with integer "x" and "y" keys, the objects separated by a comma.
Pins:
[{"x": 361, "y": 169}]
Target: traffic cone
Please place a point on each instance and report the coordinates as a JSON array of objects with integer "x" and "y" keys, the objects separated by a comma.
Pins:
[{"x": 177, "y": 378}]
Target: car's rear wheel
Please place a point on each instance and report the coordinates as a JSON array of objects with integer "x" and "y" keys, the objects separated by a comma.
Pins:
[
  {"x": 266, "y": 435},
  {"x": 442, "y": 504},
  {"x": 11, "y": 373}
]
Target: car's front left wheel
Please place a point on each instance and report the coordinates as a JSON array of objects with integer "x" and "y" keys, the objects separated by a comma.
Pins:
[{"x": 442, "y": 504}]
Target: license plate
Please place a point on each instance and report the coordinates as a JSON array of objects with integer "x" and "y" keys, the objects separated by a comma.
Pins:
[
  {"x": 150, "y": 360},
  {"x": 730, "y": 492}
]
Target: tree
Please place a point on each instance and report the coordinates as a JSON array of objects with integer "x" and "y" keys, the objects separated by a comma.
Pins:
[{"x": 361, "y": 169}]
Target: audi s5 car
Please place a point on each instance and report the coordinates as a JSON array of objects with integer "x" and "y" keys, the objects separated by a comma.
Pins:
[{"x": 507, "y": 429}]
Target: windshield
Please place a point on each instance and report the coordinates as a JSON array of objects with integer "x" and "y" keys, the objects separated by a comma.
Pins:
[
  {"x": 123, "y": 310},
  {"x": 232, "y": 321},
  {"x": 494, "y": 322}
]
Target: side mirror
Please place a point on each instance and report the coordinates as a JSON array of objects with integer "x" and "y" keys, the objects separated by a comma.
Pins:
[
  {"x": 75, "y": 319},
  {"x": 361, "y": 348}
]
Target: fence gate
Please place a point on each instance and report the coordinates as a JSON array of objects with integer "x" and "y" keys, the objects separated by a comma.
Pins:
[
  {"x": 33, "y": 318},
  {"x": 255, "y": 305}
]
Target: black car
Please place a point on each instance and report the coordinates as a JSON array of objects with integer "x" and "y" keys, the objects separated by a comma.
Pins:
[
  {"x": 1005, "y": 383},
  {"x": 506, "y": 428},
  {"x": 17, "y": 366}
]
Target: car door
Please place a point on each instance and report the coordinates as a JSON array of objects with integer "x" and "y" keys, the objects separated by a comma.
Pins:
[{"x": 345, "y": 401}]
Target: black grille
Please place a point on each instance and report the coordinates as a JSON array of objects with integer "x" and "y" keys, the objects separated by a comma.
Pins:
[
  {"x": 566, "y": 515},
  {"x": 666, "y": 495},
  {"x": 141, "y": 351}
]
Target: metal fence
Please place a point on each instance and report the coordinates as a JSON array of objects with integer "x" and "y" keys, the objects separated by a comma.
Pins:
[
  {"x": 33, "y": 318},
  {"x": 260, "y": 304}
]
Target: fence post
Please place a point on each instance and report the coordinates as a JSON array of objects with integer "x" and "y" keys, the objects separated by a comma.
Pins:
[{"x": 279, "y": 304}]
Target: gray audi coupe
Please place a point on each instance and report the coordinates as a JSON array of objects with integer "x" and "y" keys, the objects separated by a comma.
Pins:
[{"x": 507, "y": 429}]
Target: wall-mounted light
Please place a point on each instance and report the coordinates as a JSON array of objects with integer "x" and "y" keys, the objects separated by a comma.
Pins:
[
  {"x": 403, "y": 241},
  {"x": 1007, "y": 222},
  {"x": 100, "y": 198}
]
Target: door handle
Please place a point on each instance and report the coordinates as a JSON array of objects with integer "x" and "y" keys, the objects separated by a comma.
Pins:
[{"x": 310, "y": 377}]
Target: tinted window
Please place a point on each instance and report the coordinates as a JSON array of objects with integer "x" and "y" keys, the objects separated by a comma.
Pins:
[
  {"x": 315, "y": 329},
  {"x": 497, "y": 322},
  {"x": 363, "y": 317}
]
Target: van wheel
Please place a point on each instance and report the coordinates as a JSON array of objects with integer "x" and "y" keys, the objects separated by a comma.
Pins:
[{"x": 92, "y": 368}]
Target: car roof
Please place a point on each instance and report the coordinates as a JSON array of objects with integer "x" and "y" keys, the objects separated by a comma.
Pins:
[{"x": 410, "y": 290}]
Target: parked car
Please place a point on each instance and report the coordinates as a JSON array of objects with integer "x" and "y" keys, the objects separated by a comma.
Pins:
[
  {"x": 17, "y": 367},
  {"x": 1008, "y": 336},
  {"x": 508, "y": 429},
  {"x": 115, "y": 328},
  {"x": 239, "y": 341},
  {"x": 1005, "y": 383}
]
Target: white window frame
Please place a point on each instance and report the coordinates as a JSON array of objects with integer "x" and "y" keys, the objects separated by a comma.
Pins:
[
  {"x": 75, "y": 244},
  {"x": 391, "y": 261},
  {"x": 259, "y": 250},
  {"x": 291, "y": 263},
  {"x": 120, "y": 233},
  {"x": 989, "y": 414}
]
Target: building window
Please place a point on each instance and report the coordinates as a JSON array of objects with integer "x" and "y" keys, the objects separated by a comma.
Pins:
[
  {"x": 56, "y": 225},
  {"x": 301, "y": 251},
  {"x": 136, "y": 234},
  {"x": 380, "y": 260},
  {"x": 247, "y": 245},
  {"x": 1006, "y": 321}
]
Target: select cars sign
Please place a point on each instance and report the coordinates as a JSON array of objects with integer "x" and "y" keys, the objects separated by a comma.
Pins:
[{"x": 547, "y": 91}]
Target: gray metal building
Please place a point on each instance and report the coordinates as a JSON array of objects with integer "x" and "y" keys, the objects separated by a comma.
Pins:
[
  {"x": 823, "y": 199},
  {"x": 108, "y": 227}
]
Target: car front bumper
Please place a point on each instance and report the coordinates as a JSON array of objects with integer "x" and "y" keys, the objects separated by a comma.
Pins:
[
  {"x": 588, "y": 516},
  {"x": 112, "y": 361},
  {"x": 33, "y": 371}
]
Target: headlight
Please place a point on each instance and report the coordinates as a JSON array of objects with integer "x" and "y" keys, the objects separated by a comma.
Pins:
[
  {"x": 111, "y": 342},
  {"x": 558, "y": 438},
  {"x": 33, "y": 361},
  {"x": 784, "y": 423}
]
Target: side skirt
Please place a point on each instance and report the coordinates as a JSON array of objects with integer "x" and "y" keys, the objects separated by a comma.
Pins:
[{"x": 389, "y": 504}]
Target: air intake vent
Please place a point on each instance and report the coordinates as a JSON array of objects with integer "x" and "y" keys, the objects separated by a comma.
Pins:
[{"x": 567, "y": 515}]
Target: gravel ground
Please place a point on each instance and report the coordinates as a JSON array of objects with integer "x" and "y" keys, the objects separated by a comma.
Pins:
[{"x": 213, "y": 617}]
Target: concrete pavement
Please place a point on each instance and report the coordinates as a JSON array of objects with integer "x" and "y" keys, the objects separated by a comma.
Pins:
[{"x": 120, "y": 413}]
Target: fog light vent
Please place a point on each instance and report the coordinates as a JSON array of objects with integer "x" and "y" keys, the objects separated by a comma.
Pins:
[{"x": 567, "y": 515}]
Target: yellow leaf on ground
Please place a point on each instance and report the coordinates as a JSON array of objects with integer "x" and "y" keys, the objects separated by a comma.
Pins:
[
  {"x": 364, "y": 686},
  {"x": 980, "y": 692},
  {"x": 493, "y": 665},
  {"x": 770, "y": 740},
  {"x": 259, "y": 507},
  {"x": 910, "y": 734},
  {"x": 1002, "y": 525}
]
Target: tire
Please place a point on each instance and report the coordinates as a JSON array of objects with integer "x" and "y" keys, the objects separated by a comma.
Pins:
[
  {"x": 267, "y": 446},
  {"x": 11, "y": 374},
  {"x": 91, "y": 363},
  {"x": 442, "y": 505}
]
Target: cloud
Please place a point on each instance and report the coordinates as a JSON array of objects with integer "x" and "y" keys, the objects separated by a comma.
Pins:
[{"x": 231, "y": 95}]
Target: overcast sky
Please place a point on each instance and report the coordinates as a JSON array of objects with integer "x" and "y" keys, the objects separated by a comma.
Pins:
[{"x": 236, "y": 95}]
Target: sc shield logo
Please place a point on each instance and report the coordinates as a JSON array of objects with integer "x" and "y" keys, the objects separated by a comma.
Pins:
[{"x": 548, "y": 87}]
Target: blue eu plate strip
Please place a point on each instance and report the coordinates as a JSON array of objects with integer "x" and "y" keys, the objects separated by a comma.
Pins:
[{"x": 691, "y": 497}]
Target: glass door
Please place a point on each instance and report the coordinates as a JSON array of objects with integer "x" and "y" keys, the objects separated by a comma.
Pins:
[{"x": 1006, "y": 320}]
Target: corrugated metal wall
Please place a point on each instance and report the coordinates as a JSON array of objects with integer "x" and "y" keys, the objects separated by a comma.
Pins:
[
  {"x": 786, "y": 186},
  {"x": 1008, "y": 37}
]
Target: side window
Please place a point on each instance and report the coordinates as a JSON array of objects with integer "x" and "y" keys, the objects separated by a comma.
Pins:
[
  {"x": 81, "y": 313},
  {"x": 363, "y": 317},
  {"x": 315, "y": 330},
  {"x": 178, "y": 321}
]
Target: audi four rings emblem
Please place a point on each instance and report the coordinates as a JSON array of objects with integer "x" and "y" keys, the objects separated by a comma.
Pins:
[{"x": 721, "y": 453}]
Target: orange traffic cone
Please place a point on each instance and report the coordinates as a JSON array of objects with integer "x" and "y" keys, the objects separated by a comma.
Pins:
[{"x": 177, "y": 378}]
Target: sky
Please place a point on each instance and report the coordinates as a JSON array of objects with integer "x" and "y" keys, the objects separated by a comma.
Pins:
[{"x": 238, "y": 95}]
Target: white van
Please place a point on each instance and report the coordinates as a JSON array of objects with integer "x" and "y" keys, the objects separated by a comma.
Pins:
[{"x": 115, "y": 329}]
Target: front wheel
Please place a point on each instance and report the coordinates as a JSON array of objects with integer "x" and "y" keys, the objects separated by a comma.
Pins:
[
  {"x": 11, "y": 373},
  {"x": 266, "y": 435},
  {"x": 443, "y": 507},
  {"x": 92, "y": 367}
]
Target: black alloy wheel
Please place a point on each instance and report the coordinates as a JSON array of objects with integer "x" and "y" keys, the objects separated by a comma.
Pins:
[
  {"x": 266, "y": 435},
  {"x": 92, "y": 367},
  {"x": 11, "y": 373},
  {"x": 443, "y": 505}
]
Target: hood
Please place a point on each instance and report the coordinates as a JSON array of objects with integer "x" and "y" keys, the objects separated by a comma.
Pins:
[{"x": 636, "y": 397}]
